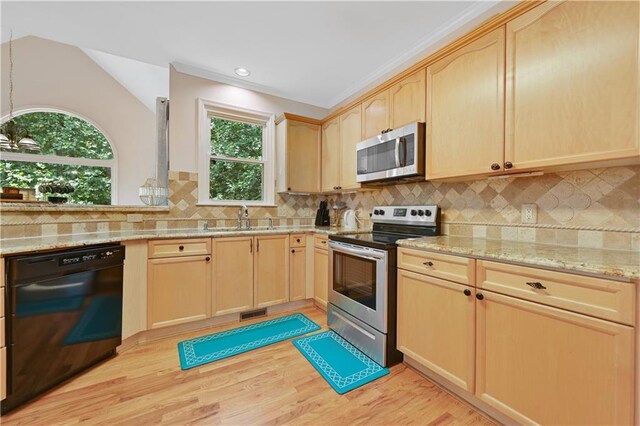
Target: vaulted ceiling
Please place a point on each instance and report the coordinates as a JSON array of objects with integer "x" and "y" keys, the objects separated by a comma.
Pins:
[{"x": 320, "y": 53}]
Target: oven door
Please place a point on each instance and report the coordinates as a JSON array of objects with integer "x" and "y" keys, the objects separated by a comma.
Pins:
[{"x": 358, "y": 282}]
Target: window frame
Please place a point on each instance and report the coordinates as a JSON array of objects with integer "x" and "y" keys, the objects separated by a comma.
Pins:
[
  {"x": 207, "y": 109},
  {"x": 112, "y": 164}
]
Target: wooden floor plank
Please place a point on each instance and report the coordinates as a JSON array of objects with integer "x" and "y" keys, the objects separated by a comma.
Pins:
[{"x": 273, "y": 385}]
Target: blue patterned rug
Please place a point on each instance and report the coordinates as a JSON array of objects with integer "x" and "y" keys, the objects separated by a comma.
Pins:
[
  {"x": 205, "y": 349},
  {"x": 339, "y": 362}
]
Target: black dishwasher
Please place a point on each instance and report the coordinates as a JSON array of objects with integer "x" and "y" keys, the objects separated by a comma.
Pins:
[{"x": 64, "y": 314}]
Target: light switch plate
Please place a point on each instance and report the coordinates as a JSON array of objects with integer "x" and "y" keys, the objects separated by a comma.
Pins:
[{"x": 529, "y": 213}]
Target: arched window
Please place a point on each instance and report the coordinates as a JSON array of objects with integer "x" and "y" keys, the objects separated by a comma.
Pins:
[{"x": 72, "y": 151}]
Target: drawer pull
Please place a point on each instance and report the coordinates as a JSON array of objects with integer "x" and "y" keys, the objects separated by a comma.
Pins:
[
  {"x": 467, "y": 292},
  {"x": 297, "y": 240},
  {"x": 323, "y": 242},
  {"x": 428, "y": 263},
  {"x": 181, "y": 248},
  {"x": 293, "y": 250},
  {"x": 537, "y": 285},
  {"x": 207, "y": 258}
]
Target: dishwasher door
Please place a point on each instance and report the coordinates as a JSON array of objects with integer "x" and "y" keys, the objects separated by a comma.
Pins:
[{"x": 64, "y": 315}]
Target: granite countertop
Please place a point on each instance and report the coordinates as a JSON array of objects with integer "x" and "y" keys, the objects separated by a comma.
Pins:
[
  {"x": 33, "y": 244},
  {"x": 617, "y": 264}
]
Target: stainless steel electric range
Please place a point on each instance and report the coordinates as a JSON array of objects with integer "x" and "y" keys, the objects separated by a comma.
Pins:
[{"x": 362, "y": 271}]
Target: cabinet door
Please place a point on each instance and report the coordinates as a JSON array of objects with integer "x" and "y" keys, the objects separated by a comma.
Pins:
[
  {"x": 407, "y": 100},
  {"x": 331, "y": 155},
  {"x": 178, "y": 290},
  {"x": 543, "y": 365},
  {"x": 572, "y": 84},
  {"x": 375, "y": 114},
  {"x": 298, "y": 274},
  {"x": 303, "y": 157},
  {"x": 436, "y": 326},
  {"x": 465, "y": 109},
  {"x": 321, "y": 276},
  {"x": 232, "y": 275},
  {"x": 271, "y": 270},
  {"x": 350, "y": 135}
]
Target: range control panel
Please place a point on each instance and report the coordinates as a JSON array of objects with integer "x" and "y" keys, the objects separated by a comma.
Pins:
[{"x": 425, "y": 214}]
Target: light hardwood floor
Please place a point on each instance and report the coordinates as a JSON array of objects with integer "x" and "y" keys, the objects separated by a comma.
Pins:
[{"x": 271, "y": 385}]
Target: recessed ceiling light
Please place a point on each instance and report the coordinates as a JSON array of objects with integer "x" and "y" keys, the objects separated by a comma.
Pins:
[{"x": 242, "y": 72}]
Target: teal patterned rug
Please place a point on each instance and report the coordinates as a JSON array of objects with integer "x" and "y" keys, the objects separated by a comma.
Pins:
[
  {"x": 205, "y": 349},
  {"x": 342, "y": 365}
]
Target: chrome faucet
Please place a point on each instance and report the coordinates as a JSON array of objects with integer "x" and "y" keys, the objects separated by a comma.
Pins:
[
  {"x": 270, "y": 222},
  {"x": 206, "y": 226},
  {"x": 247, "y": 221},
  {"x": 240, "y": 211}
]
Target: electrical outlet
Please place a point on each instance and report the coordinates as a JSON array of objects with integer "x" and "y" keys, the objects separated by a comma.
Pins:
[
  {"x": 529, "y": 213},
  {"x": 134, "y": 218}
]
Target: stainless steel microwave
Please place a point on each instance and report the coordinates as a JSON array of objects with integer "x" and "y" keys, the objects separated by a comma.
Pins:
[{"x": 396, "y": 155}]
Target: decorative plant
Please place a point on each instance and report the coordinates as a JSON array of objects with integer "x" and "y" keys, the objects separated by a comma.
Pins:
[{"x": 55, "y": 187}]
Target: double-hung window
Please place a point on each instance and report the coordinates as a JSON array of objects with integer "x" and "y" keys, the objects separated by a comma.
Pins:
[{"x": 236, "y": 156}]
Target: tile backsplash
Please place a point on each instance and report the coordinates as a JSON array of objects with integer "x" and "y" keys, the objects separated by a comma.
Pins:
[{"x": 589, "y": 208}]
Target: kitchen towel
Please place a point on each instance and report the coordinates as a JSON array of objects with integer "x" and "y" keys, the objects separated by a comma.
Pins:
[
  {"x": 341, "y": 364},
  {"x": 205, "y": 349}
]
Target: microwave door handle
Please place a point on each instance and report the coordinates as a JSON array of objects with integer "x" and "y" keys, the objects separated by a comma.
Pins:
[{"x": 398, "y": 142}]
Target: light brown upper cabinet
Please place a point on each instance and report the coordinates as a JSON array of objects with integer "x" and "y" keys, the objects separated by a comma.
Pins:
[
  {"x": 350, "y": 135},
  {"x": 331, "y": 155},
  {"x": 465, "y": 109},
  {"x": 298, "y": 148},
  {"x": 375, "y": 114},
  {"x": 407, "y": 100},
  {"x": 401, "y": 104},
  {"x": 572, "y": 84}
]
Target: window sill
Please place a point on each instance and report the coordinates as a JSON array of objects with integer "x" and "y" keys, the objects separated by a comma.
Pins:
[
  {"x": 234, "y": 204},
  {"x": 47, "y": 207}
]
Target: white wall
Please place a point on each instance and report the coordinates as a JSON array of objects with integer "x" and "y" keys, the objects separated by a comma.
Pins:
[
  {"x": 59, "y": 76},
  {"x": 184, "y": 90}
]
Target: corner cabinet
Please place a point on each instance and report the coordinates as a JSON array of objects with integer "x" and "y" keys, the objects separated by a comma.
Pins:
[
  {"x": 465, "y": 107},
  {"x": 179, "y": 282},
  {"x": 298, "y": 152},
  {"x": 582, "y": 105}
]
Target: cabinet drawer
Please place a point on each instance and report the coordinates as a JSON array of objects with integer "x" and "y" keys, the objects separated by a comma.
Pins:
[
  {"x": 173, "y": 248},
  {"x": 606, "y": 299},
  {"x": 297, "y": 240},
  {"x": 320, "y": 241},
  {"x": 445, "y": 266}
]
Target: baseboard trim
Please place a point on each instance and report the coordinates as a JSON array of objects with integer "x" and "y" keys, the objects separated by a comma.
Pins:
[
  {"x": 460, "y": 394},
  {"x": 175, "y": 330}
]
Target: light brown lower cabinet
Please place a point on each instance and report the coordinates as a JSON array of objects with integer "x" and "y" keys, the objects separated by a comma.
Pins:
[
  {"x": 271, "y": 270},
  {"x": 544, "y": 365},
  {"x": 321, "y": 276},
  {"x": 298, "y": 274},
  {"x": 232, "y": 286},
  {"x": 179, "y": 290},
  {"x": 535, "y": 363},
  {"x": 436, "y": 326}
]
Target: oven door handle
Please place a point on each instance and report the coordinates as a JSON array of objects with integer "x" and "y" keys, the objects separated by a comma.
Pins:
[{"x": 355, "y": 252}]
